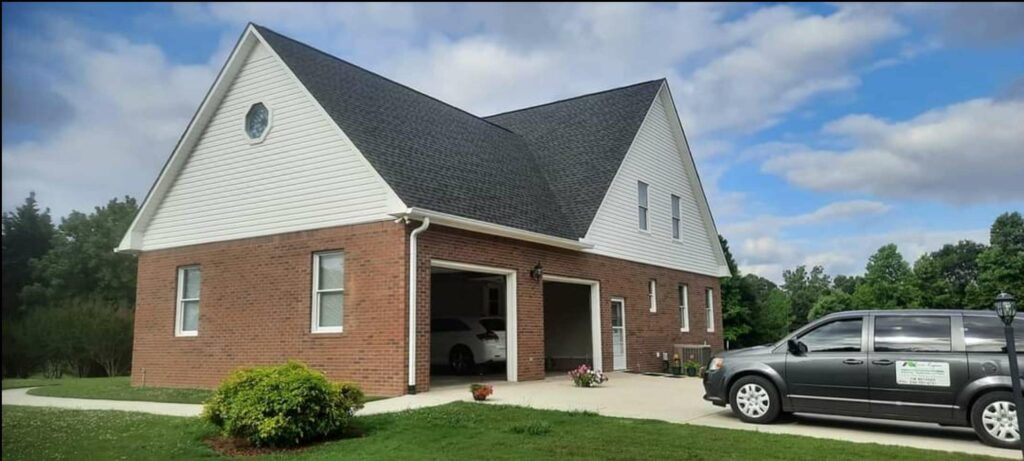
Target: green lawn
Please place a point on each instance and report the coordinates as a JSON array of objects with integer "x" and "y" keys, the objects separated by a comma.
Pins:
[
  {"x": 454, "y": 431},
  {"x": 116, "y": 388}
]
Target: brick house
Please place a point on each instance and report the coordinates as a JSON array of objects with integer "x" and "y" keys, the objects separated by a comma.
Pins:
[{"x": 314, "y": 210}]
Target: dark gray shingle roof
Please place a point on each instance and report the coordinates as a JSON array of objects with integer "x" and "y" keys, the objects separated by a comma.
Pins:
[{"x": 543, "y": 169}]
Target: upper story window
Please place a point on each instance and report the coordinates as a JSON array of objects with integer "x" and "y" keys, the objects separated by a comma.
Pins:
[
  {"x": 675, "y": 217},
  {"x": 641, "y": 200},
  {"x": 257, "y": 121},
  {"x": 328, "y": 291},
  {"x": 186, "y": 318}
]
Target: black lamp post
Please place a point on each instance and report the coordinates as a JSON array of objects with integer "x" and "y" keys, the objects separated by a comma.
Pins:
[{"x": 1006, "y": 309}]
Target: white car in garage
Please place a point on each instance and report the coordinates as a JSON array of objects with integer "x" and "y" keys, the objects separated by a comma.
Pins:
[{"x": 466, "y": 343}]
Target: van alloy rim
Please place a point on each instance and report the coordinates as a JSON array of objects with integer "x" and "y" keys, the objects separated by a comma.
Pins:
[
  {"x": 1000, "y": 420},
  {"x": 753, "y": 400}
]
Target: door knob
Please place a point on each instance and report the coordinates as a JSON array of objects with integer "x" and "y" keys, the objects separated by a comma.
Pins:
[
  {"x": 853, "y": 361},
  {"x": 882, "y": 362}
]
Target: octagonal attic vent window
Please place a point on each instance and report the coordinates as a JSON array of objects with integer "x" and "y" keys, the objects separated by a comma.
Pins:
[{"x": 257, "y": 122}]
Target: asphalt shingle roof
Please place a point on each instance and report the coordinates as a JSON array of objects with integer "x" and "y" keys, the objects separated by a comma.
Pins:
[{"x": 544, "y": 169}]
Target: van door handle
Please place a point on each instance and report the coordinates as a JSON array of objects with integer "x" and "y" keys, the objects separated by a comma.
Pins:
[
  {"x": 853, "y": 362},
  {"x": 882, "y": 362}
]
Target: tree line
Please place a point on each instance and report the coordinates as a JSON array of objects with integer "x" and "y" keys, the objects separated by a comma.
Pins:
[
  {"x": 964, "y": 275},
  {"x": 68, "y": 299}
]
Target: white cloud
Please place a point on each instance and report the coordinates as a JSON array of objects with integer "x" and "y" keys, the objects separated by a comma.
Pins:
[
  {"x": 129, "y": 105},
  {"x": 968, "y": 152},
  {"x": 832, "y": 213}
]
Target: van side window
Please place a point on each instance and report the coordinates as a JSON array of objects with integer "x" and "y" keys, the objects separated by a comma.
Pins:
[
  {"x": 985, "y": 334},
  {"x": 839, "y": 336},
  {"x": 912, "y": 334}
]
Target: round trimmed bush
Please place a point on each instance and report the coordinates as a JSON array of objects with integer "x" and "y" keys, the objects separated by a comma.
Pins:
[{"x": 282, "y": 406}]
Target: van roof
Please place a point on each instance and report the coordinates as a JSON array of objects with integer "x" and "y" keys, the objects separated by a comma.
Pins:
[{"x": 916, "y": 312}]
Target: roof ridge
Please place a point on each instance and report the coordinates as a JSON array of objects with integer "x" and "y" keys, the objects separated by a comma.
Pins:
[
  {"x": 368, "y": 71},
  {"x": 559, "y": 101}
]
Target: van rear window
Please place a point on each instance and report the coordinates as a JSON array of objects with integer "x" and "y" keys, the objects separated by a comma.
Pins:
[
  {"x": 912, "y": 334},
  {"x": 985, "y": 334}
]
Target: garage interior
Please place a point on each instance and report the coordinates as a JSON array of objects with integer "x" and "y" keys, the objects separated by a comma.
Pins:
[
  {"x": 459, "y": 300},
  {"x": 567, "y": 335}
]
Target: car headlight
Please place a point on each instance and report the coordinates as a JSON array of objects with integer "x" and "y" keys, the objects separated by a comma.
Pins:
[{"x": 716, "y": 364}]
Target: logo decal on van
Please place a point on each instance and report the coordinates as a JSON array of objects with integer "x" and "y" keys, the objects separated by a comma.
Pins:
[{"x": 914, "y": 373}]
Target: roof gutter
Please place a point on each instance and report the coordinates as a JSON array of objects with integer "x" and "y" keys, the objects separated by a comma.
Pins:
[{"x": 458, "y": 222}]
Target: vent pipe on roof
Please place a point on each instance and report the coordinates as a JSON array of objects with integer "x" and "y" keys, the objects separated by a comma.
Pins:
[{"x": 412, "y": 303}]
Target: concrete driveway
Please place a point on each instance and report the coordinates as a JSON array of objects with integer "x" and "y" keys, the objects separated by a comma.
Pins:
[{"x": 678, "y": 400}]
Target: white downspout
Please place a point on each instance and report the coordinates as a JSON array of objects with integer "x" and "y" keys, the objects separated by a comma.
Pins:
[{"x": 412, "y": 303}]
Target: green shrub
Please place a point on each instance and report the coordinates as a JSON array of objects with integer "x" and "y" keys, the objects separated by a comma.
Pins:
[{"x": 282, "y": 405}]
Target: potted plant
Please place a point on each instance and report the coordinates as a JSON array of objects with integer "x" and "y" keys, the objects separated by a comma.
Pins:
[
  {"x": 584, "y": 376},
  {"x": 692, "y": 367},
  {"x": 481, "y": 391},
  {"x": 677, "y": 365}
]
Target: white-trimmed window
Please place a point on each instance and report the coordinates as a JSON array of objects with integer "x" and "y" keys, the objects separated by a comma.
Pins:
[
  {"x": 709, "y": 301},
  {"x": 641, "y": 201},
  {"x": 186, "y": 315},
  {"x": 684, "y": 307},
  {"x": 652, "y": 293},
  {"x": 328, "y": 291},
  {"x": 675, "y": 217}
]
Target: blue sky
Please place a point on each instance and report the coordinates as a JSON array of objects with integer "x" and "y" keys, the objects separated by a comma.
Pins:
[{"x": 821, "y": 131}]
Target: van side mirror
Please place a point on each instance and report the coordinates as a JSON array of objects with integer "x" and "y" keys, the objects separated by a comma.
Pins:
[{"x": 796, "y": 347}]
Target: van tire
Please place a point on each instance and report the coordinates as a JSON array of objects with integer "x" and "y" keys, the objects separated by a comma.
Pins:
[
  {"x": 978, "y": 421},
  {"x": 755, "y": 399}
]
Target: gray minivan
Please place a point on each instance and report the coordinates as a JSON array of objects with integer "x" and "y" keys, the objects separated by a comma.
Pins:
[{"x": 942, "y": 366}]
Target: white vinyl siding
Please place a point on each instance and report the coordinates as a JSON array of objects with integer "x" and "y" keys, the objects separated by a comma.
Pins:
[
  {"x": 652, "y": 293},
  {"x": 328, "y": 292},
  {"x": 675, "y": 217},
  {"x": 655, "y": 158},
  {"x": 643, "y": 211},
  {"x": 304, "y": 175},
  {"x": 709, "y": 309},
  {"x": 186, "y": 311},
  {"x": 684, "y": 307}
]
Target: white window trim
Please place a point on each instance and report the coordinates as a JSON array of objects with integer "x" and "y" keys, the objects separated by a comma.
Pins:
[
  {"x": 179, "y": 311},
  {"x": 709, "y": 308},
  {"x": 315, "y": 308},
  {"x": 684, "y": 308},
  {"x": 652, "y": 293},
  {"x": 646, "y": 206},
  {"x": 270, "y": 123},
  {"x": 677, "y": 217}
]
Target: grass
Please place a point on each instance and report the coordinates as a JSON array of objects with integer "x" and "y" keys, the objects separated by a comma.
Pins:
[
  {"x": 453, "y": 431},
  {"x": 116, "y": 388}
]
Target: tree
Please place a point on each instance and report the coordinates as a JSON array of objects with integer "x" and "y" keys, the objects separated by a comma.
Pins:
[
  {"x": 82, "y": 264},
  {"x": 27, "y": 234},
  {"x": 804, "y": 288},
  {"x": 772, "y": 317},
  {"x": 834, "y": 301},
  {"x": 1001, "y": 266},
  {"x": 945, "y": 276},
  {"x": 888, "y": 282},
  {"x": 847, "y": 283},
  {"x": 735, "y": 315}
]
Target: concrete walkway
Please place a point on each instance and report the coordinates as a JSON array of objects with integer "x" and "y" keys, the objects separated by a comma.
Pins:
[{"x": 624, "y": 395}]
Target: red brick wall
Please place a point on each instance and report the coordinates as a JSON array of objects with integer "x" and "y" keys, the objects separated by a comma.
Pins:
[
  {"x": 255, "y": 305},
  {"x": 646, "y": 332},
  {"x": 255, "y": 309}
]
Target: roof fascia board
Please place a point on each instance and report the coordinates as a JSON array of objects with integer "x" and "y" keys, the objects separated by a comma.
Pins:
[{"x": 458, "y": 222}]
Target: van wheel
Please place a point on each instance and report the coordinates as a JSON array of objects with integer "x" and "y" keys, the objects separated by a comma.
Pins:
[
  {"x": 755, "y": 400},
  {"x": 461, "y": 360},
  {"x": 994, "y": 417}
]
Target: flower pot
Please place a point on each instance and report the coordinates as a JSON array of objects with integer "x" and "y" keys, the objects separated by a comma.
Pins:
[
  {"x": 691, "y": 371},
  {"x": 677, "y": 370},
  {"x": 479, "y": 397}
]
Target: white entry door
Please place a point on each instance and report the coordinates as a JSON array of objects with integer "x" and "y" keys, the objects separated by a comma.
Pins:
[{"x": 618, "y": 334}]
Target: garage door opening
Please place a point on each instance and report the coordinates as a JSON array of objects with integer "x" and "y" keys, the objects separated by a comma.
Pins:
[
  {"x": 569, "y": 339},
  {"x": 469, "y": 334}
]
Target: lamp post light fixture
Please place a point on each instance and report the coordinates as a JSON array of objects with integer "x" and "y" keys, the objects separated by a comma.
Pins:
[{"x": 1006, "y": 309}]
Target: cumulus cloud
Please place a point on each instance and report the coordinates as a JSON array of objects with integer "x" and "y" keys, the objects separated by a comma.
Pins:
[
  {"x": 829, "y": 214},
  {"x": 968, "y": 152}
]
